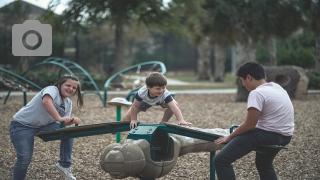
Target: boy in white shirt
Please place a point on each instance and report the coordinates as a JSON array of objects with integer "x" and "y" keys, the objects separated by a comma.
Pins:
[
  {"x": 269, "y": 121},
  {"x": 154, "y": 93}
]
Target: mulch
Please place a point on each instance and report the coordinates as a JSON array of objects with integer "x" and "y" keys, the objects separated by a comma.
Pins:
[{"x": 300, "y": 161}]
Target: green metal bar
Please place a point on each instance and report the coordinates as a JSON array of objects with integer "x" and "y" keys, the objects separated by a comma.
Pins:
[
  {"x": 212, "y": 169},
  {"x": 85, "y": 130},
  {"x": 24, "y": 98},
  {"x": 65, "y": 64},
  {"x": 180, "y": 130},
  {"x": 21, "y": 78},
  {"x": 118, "y": 120},
  {"x": 263, "y": 148},
  {"x": 8, "y": 94}
]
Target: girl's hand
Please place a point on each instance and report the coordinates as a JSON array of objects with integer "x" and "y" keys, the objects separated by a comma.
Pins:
[
  {"x": 76, "y": 120},
  {"x": 65, "y": 119},
  {"x": 223, "y": 140},
  {"x": 73, "y": 120}
]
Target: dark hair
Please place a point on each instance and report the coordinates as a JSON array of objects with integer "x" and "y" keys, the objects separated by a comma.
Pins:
[
  {"x": 156, "y": 79},
  {"x": 253, "y": 68},
  {"x": 66, "y": 77}
]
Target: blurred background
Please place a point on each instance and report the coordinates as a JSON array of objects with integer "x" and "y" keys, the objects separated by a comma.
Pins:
[{"x": 198, "y": 41}]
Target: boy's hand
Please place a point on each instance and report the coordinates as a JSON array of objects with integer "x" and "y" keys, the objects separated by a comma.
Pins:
[
  {"x": 133, "y": 124},
  {"x": 222, "y": 140},
  {"x": 183, "y": 122}
]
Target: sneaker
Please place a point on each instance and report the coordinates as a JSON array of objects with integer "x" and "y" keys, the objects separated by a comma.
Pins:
[{"x": 66, "y": 172}]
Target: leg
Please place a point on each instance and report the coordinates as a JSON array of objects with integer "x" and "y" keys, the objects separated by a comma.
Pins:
[
  {"x": 66, "y": 146},
  {"x": 264, "y": 165},
  {"x": 234, "y": 150},
  {"x": 167, "y": 115},
  {"x": 127, "y": 116},
  {"x": 23, "y": 141},
  {"x": 264, "y": 162}
]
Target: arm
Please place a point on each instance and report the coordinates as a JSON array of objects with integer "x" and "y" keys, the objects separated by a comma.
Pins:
[
  {"x": 177, "y": 112},
  {"x": 251, "y": 121},
  {"x": 48, "y": 105},
  {"x": 134, "y": 113}
]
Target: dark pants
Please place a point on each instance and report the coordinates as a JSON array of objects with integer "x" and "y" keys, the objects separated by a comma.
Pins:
[{"x": 244, "y": 144}]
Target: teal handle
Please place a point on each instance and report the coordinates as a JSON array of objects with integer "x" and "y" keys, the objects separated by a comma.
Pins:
[{"x": 62, "y": 123}]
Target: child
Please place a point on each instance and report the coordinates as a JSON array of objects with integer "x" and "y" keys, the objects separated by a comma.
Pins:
[
  {"x": 270, "y": 121},
  {"x": 45, "y": 112},
  {"x": 154, "y": 93}
]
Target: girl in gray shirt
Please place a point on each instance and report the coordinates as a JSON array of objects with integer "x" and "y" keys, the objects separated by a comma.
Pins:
[{"x": 45, "y": 112}]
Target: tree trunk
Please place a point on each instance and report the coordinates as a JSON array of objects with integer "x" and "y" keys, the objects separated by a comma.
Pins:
[
  {"x": 204, "y": 50},
  {"x": 219, "y": 61},
  {"x": 119, "y": 52},
  {"x": 272, "y": 47},
  {"x": 245, "y": 50},
  {"x": 129, "y": 52},
  {"x": 76, "y": 45},
  {"x": 317, "y": 57},
  {"x": 118, "y": 60},
  {"x": 24, "y": 60},
  {"x": 245, "y": 53}
]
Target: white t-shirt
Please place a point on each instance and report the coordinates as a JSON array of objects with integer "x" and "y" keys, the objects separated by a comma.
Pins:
[
  {"x": 277, "y": 112},
  {"x": 143, "y": 94},
  {"x": 35, "y": 115}
]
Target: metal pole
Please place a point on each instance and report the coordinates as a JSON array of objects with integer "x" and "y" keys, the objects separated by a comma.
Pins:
[
  {"x": 24, "y": 98},
  {"x": 212, "y": 170},
  {"x": 118, "y": 119}
]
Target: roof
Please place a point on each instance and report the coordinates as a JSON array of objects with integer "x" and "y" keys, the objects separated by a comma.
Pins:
[{"x": 33, "y": 9}]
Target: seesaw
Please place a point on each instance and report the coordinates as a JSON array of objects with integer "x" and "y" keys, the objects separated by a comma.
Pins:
[{"x": 150, "y": 150}]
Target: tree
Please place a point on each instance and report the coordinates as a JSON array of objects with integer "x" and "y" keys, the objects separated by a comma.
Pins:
[
  {"x": 191, "y": 16},
  {"x": 120, "y": 14},
  {"x": 311, "y": 12},
  {"x": 14, "y": 13},
  {"x": 278, "y": 19}
]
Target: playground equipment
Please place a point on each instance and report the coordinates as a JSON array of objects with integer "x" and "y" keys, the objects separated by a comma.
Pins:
[
  {"x": 149, "y": 151},
  {"x": 17, "y": 83},
  {"x": 118, "y": 102},
  {"x": 69, "y": 67},
  {"x": 73, "y": 69},
  {"x": 132, "y": 78}
]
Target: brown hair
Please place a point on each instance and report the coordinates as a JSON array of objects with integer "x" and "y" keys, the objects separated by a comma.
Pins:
[
  {"x": 66, "y": 77},
  {"x": 156, "y": 79}
]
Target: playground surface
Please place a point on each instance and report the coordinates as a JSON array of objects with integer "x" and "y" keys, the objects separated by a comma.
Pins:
[{"x": 205, "y": 110}]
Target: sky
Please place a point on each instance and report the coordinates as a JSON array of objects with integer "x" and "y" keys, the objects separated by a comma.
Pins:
[{"x": 44, "y": 4}]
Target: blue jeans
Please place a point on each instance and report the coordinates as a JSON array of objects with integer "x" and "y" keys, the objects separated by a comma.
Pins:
[
  {"x": 22, "y": 138},
  {"x": 244, "y": 144}
]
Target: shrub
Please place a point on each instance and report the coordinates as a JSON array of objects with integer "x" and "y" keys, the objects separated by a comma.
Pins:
[{"x": 314, "y": 79}]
